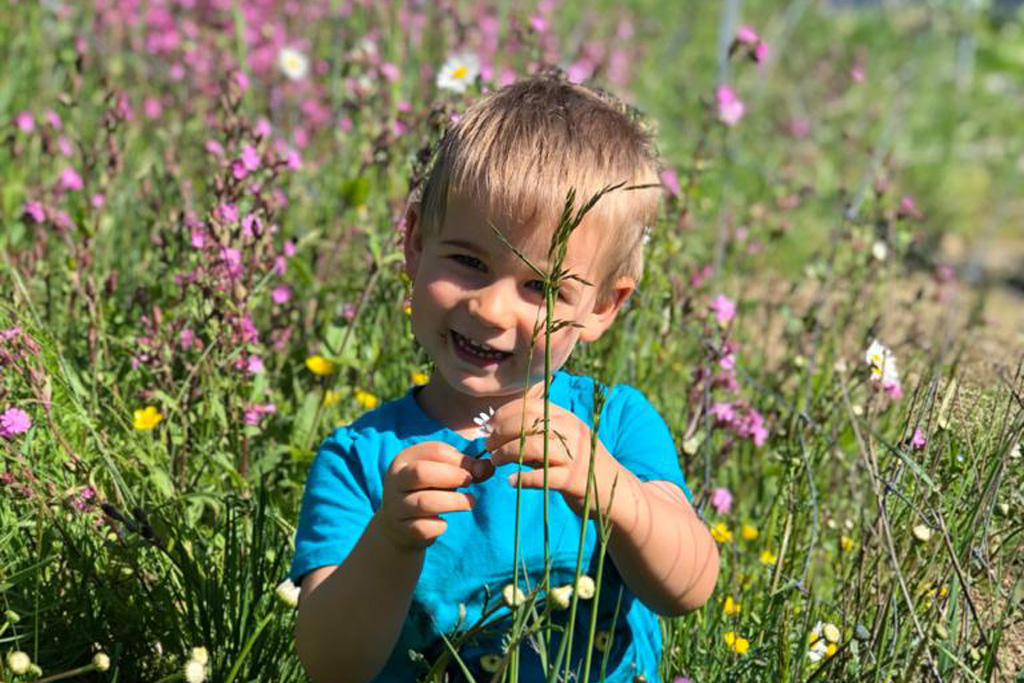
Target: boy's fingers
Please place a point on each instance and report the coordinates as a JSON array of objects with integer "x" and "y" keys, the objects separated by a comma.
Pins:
[
  {"x": 430, "y": 474},
  {"x": 435, "y": 464},
  {"x": 533, "y": 452},
  {"x": 432, "y": 502}
]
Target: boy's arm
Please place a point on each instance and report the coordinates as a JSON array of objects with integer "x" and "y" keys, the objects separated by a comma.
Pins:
[
  {"x": 350, "y": 616},
  {"x": 663, "y": 551}
]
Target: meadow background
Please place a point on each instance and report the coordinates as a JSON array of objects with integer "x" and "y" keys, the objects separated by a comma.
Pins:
[{"x": 200, "y": 220}]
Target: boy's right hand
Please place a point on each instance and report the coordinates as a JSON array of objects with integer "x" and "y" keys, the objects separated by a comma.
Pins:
[{"x": 420, "y": 485}]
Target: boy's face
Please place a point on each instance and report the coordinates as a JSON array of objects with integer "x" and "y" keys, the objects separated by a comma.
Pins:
[{"x": 475, "y": 303}]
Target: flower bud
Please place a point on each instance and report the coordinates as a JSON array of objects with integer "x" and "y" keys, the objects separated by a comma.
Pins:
[
  {"x": 585, "y": 587},
  {"x": 561, "y": 596},
  {"x": 101, "y": 661},
  {"x": 922, "y": 533},
  {"x": 18, "y": 662}
]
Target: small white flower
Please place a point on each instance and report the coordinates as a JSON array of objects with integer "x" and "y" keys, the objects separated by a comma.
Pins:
[
  {"x": 561, "y": 596},
  {"x": 831, "y": 633},
  {"x": 585, "y": 587},
  {"x": 922, "y": 533},
  {"x": 201, "y": 655},
  {"x": 458, "y": 72},
  {"x": 882, "y": 362},
  {"x": 292, "y": 63},
  {"x": 101, "y": 661},
  {"x": 195, "y": 672},
  {"x": 879, "y": 250},
  {"x": 513, "y": 595},
  {"x": 18, "y": 662},
  {"x": 483, "y": 423},
  {"x": 288, "y": 593}
]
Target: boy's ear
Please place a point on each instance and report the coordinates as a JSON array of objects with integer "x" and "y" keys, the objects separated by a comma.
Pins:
[
  {"x": 603, "y": 315},
  {"x": 413, "y": 240}
]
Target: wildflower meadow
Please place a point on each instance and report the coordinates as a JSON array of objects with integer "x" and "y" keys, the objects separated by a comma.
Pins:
[{"x": 201, "y": 215}]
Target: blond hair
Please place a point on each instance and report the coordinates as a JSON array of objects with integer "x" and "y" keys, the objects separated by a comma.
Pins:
[{"x": 520, "y": 149}]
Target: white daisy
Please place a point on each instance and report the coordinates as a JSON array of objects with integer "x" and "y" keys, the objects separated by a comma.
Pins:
[
  {"x": 288, "y": 593},
  {"x": 458, "y": 72},
  {"x": 585, "y": 587},
  {"x": 483, "y": 423},
  {"x": 293, "y": 63},
  {"x": 882, "y": 362},
  {"x": 195, "y": 672},
  {"x": 513, "y": 595}
]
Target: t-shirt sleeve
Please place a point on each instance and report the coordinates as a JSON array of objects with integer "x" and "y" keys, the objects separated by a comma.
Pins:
[
  {"x": 643, "y": 443},
  {"x": 336, "y": 507}
]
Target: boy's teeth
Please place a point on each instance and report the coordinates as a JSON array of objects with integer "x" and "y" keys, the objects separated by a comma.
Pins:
[{"x": 482, "y": 350}]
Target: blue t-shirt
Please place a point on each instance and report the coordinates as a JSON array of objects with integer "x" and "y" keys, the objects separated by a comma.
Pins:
[{"x": 345, "y": 486}]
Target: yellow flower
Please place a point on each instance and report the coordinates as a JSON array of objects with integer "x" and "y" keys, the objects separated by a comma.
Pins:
[
  {"x": 720, "y": 532},
  {"x": 768, "y": 557},
  {"x": 730, "y": 606},
  {"x": 736, "y": 643},
  {"x": 331, "y": 397},
  {"x": 147, "y": 418},
  {"x": 407, "y": 309},
  {"x": 419, "y": 378},
  {"x": 831, "y": 649},
  {"x": 748, "y": 532},
  {"x": 847, "y": 544},
  {"x": 319, "y": 365},
  {"x": 366, "y": 400}
]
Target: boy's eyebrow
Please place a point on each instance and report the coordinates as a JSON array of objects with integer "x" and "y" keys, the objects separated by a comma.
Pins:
[{"x": 463, "y": 244}]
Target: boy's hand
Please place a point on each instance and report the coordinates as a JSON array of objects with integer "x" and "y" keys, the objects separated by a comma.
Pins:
[
  {"x": 419, "y": 485},
  {"x": 568, "y": 452}
]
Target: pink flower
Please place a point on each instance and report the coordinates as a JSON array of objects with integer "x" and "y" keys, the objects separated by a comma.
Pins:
[
  {"x": 97, "y": 200},
  {"x": 724, "y": 309},
  {"x": 70, "y": 180},
  {"x": 214, "y": 148},
  {"x": 255, "y": 365},
  {"x": 198, "y": 239},
  {"x": 14, "y": 421},
  {"x": 760, "y": 52},
  {"x": 670, "y": 181},
  {"x": 390, "y": 71},
  {"x": 255, "y": 412},
  {"x": 918, "y": 441},
  {"x": 52, "y": 118},
  {"x": 348, "y": 312},
  {"x": 35, "y": 211},
  {"x": 281, "y": 294},
  {"x": 723, "y": 413},
  {"x": 893, "y": 388},
  {"x": 187, "y": 338},
  {"x": 26, "y": 124},
  {"x": 698, "y": 278},
  {"x": 232, "y": 259},
  {"x": 857, "y": 74},
  {"x": 721, "y": 500},
  {"x": 250, "y": 158},
  {"x": 908, "y": 208},
  {"x": 730, "y": 108},
  {"x": 751, "y": 426},
  {"x": 9, "y": 334},
  {"x": 537, "y": 23},
  {"x": 152, "y": 108},
  {"x": 747, "y": 36},
  {"x": 228, "y": 213},
  {"x": 681, "y": 679},
  {"x": 65, "y": 147}
]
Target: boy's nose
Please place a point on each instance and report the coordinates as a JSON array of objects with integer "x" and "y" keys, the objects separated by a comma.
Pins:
[{"x": 491, "y": 306}]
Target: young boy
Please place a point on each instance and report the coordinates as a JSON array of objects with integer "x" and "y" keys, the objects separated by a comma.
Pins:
[{"x": 409, "y": 513}]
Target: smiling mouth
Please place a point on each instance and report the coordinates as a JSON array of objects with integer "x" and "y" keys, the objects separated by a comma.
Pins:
[{"x": 474, "y": 351}]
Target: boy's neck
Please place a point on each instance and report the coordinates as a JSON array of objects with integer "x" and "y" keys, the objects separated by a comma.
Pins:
[{"x": 456, "y": 410}]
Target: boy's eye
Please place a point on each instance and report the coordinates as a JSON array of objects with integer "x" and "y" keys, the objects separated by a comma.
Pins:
[
  {"x": 538, "y": 286},
  {"x": 468, "y": 261}
]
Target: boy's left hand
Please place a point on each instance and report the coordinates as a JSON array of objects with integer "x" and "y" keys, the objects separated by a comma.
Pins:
[{"x": 568, "y": 453}]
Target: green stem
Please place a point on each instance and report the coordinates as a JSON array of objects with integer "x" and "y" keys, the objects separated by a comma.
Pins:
[
  {"x": 68, "y": 674},
  {"x": 248, "y": 646}
]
